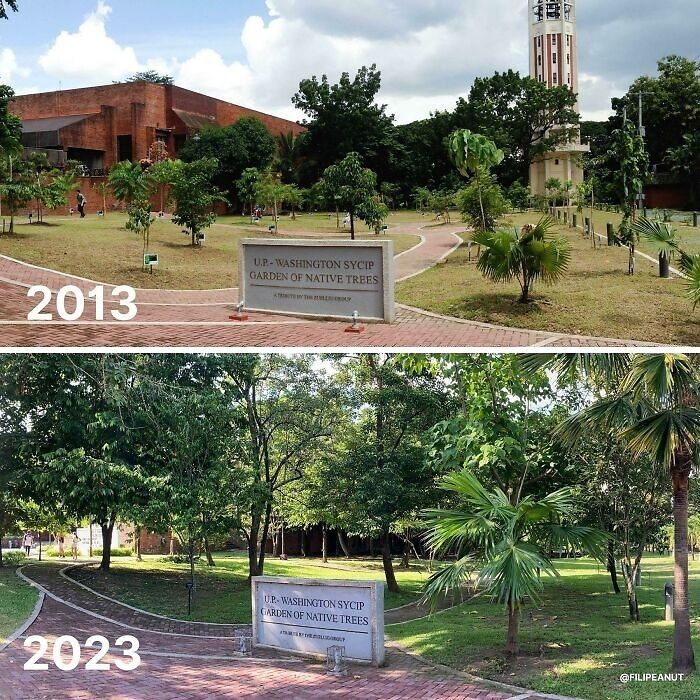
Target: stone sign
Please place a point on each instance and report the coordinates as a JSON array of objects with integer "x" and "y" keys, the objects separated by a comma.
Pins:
[
  {"x": 324, "y": 279},
  {"x": 307, "y": 616}
]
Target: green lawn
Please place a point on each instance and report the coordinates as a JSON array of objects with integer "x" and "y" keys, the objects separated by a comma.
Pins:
[
  {"x": 103, "y": 250},
  {"x": 223, "y": 592},
  {"x": 596, "y": 297},
  {"x": 577, "y": 643},
  {"x": 17, "y": 600}
]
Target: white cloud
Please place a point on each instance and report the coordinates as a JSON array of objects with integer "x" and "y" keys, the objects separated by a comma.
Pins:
[
  {"x": 89, "y": 55},
  {"x": 9, "y": 67}
]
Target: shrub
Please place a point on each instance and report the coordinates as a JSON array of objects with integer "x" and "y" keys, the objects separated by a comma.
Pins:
[
  {"x": 14, "y": 559},
  {"x": 178, "y": 559},
  {"x": 119, "y": 552},
  {"x": 482, "y": 202}
]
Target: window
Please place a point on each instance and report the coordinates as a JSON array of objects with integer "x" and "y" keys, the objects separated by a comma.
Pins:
[
  {"x": 568, "y": 59},
  {"x": 555, "y": 78},
  {"x": 556, "y": 162},
  {"x": 125, "y": 148},
  {"x": 554, "y": 58},
  {"x": 539, "y": 60}
]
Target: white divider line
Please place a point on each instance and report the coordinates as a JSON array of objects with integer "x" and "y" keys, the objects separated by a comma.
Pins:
[
  {"x": 415, "y": 247},
  {"x": 32, "y": 617},
  {"x": 63, "y": 573},
  {"x": 109, "y": 620}
]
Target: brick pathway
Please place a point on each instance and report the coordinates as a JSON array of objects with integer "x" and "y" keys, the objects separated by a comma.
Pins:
[
  {"x": 198, "y": 666},
  {"x": 200, "y": 318}
]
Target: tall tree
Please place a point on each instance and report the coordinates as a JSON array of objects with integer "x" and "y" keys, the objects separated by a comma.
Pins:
[
  {"x": 522, "y": 116},
  {"x": 345, "y": 118},
  {"x": 654, "y": 410}
]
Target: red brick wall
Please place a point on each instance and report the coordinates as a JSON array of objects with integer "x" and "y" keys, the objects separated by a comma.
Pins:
[{"x": 133, "y": 108}]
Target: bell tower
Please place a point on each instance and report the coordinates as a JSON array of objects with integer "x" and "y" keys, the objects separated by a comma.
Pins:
[{"x": 554, "y": 62}]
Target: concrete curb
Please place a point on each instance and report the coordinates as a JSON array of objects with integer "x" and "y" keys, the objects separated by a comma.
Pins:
[{"x": 518, "y": 693}]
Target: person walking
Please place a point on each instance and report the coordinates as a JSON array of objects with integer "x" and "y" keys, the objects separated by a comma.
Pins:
[
  {"x": 75, "y": 544},
  {"x": 27, "y": 543},
  {"x": 61, "y": 547},
  {"x": 82, "y": 201}
]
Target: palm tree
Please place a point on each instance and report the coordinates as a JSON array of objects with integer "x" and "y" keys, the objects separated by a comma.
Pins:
[
  {"x": 530, "y": 255},
  {"x": 130, "y": 183},
  {"x": 655, "y": 412},
  {"x": 508, "y": 544},
  {"x": 662, "y": 237},
  {"x": 690, "y": 266},
  {"x": 289, "y": 158}
]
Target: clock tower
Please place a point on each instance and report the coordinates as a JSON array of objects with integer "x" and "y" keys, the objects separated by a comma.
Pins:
[{"x": 554, "y": 62}]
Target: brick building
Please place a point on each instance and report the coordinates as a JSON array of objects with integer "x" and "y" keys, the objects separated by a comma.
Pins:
[{"x": 101, "y": 126}]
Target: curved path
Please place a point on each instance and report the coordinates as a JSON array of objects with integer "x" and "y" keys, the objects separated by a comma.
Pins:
[
  {"x": 182, "y": 659},
  {"x": 200, "y": 318}
]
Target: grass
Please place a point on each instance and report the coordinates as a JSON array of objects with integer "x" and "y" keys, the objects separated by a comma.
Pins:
[
  {"x": 17, "y": 600},
  {"x": 102, "y": 249},
  {"x": 596, "y": 297},
  {"x": 577, "y": 643},
  {"x": 223, "y": 592}
]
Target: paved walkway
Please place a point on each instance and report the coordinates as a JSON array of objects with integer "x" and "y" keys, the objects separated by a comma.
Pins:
[
  {"x": 186, "y": 660},
  {"x": 200, "y": 318}
]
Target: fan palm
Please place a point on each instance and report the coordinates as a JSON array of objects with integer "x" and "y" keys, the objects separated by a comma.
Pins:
[
  {"x": 654, "y": 410},
  {"x": 508, "y": 544},
  {"x": 690, "y": 266},
  {"x": 531, "y": 255},
  {"x": 662, "y": 237}
]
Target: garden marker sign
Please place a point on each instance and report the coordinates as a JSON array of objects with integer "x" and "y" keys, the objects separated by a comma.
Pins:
[
  {"x": 306, "y": 616},
  {"x": 322, "y": 279}
]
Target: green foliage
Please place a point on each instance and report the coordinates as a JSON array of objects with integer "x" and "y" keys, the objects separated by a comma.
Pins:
[
  {"x": 194, "y": 196},
  {"x": 374, "y": 213},
  {"x": 130, "y": 183},
  {"x": 150, "y": 76},
  {"x": 247, "y": 186},
  {"x": 482, "y": 202},
  {"x": 4, "y": 4},
  {"x": 345, "y": 118},
  {"x": 116, "y": 552},
  {"x": 471, "y": 152},
  {"x": 661, "y": 237},
  {"x": 522, "y": 116},
  {"x": 245, "y": 144},
  {"x": 350, "y": 185},
  {"x": 505, "y": 545},
  {"x": 518, "y": 195},
  {"x": 14, "y": 559},
  {"x": 10, "y": 125},
  {"x": 529, "y": 256}
]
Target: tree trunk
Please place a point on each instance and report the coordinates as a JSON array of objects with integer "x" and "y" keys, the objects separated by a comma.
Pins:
[
  {"x": 107, "y": 530},
  {"x": 683, "y": 655},
  {"x": 512, "y": 646},
  {"x": 275, "y": 544},
  {"x": 207, "y": 551},
  {"x": 263, "y": 538},
  {"x": 253, "y": 569},
  {"x": 324, "y": 544},
  {"x": 172, "y": 543},
  {"x": 343, "y": 543},
  {"x": 1, "y": 536},
  {"x": 632, "y": 602},
  {"x": 137, "y": 542},
  {"x": 352, "y": 226},
  {"x": 612, "y": 566},
  {"x": 304, "y": 553},
  {"x": 388, "y": 563}
]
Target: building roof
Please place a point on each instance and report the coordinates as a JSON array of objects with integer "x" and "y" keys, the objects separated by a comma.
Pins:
[
  {"x": 195, "y": 121},
  {"x": 35, "y": 126}
]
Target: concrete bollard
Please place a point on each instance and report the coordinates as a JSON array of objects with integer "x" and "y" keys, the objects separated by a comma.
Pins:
[
  {"x": 668, "y": 602},
  {"x": 587, "y": 225},
  {"x": 695, "y": 219},
  {"x": 575, "y": 221},
  {"x": 611, "y": 234}
]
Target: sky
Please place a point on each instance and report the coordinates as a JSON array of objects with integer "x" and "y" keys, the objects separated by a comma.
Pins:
[{"x": 255, "y": 52}]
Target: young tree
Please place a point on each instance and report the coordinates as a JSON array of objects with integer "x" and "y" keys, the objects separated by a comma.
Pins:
[
  {"x": 507, "y": 544},
  {"x": 350, "y": 185},
  {"x": 247, "y": 186},
  {"x": 476, "y": 154},
  {"x": 374, "y": 213},
  {"x": 162, "y": 175},
  {"x": 482, "y": 202},
  {"x": 194, "y": 196},
  {"x": 528, "y": 256},
  {"x": 271, "y": 192}
]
